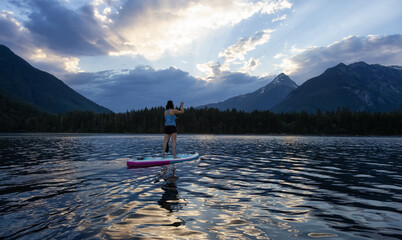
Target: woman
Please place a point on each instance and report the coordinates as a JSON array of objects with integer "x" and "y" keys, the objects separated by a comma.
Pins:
[{"x": 170, "y": 125}]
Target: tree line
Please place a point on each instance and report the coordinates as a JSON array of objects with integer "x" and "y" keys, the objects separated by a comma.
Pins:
[{"x": 208, "y": 121}]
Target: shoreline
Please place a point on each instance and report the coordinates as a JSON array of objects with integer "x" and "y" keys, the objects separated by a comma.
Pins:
[{"x": 181, "y": 134}]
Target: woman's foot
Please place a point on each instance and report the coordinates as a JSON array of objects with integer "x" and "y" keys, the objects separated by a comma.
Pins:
[{"x": 163, "y": 156}]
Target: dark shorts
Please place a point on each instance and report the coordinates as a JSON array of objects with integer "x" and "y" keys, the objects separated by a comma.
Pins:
[{"x": 170, "y": 129}]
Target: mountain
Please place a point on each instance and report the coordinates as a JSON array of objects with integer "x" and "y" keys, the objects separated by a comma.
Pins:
[
  {"x": 358, "y": 86},
  {"x": 262, "y": 99},
  {"x": 19, "y": 80},
  {"x": 14, "y": 115}
]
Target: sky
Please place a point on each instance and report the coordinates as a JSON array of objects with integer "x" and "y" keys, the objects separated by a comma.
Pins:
[{"x": 132, "y": 54}]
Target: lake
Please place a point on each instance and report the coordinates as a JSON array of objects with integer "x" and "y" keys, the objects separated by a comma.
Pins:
[{"x": 77, "y": 186}]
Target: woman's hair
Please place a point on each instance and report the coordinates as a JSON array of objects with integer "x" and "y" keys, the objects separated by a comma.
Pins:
[{"x": 169, "y": 105}]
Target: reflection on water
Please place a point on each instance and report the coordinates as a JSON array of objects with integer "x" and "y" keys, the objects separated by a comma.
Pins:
[{"x": 75, "y": 186}]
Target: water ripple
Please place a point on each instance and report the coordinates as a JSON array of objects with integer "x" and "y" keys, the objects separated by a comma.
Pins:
[{"x": 77, "y": 186}]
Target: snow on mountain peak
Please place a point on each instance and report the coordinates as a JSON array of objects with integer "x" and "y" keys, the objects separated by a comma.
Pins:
[{"x": 283, "y": 79}]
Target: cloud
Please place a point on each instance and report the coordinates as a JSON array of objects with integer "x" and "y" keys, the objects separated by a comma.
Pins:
[
  {"x": 235, "y": 54},
  {"x": 250, "y": 65},
  {"x": 59, "y": 65},
  {"x": 283, "y": 17},
  {"x": 245, "y": 45},
  {"x": 147, "y": 87},
  {"x": 279, "y": 55},
  {"x": 274, "y": 6},
  {"x": 66, "y": 31},
  {"x": 54, "y": 35},
  {"x": 13, "y": 34},
  {"x": 212, "y": 69},
  {"x": 53, "y": 52},
  {"x": 43, "y": 58},
  {"x": 8, "y": 16},
  {"x": 310, "y": 62},
  {"x": 153, "y": 28},
  {"x": 147, "y": 28},
  {"x": 133, "y": 89}
]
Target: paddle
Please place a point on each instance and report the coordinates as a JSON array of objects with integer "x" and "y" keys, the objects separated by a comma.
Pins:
[{"x": 167, "y": 146}]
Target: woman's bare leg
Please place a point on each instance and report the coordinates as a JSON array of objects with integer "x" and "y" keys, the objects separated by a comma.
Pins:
[
  {"x": 174, "y": 136},
  {"x": 165, "y": 141}
]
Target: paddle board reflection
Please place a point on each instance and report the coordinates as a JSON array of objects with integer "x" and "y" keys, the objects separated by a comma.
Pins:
[{"x": 167, "y": 173}]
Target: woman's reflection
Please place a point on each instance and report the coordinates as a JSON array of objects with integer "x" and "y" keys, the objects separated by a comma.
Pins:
[{"x": 170, "y": 199}]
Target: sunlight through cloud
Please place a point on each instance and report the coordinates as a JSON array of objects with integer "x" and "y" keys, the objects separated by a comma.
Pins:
[
  {"x": 245, "y": 45},
  {"x": 69, "y": 64},
  {"x": 171, "y": 28}
]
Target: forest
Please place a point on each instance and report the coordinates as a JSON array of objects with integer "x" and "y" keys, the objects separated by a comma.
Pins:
[{"x": 205, "y": 121}]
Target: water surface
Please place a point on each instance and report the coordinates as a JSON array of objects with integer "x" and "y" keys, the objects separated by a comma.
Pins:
[{"x": 77, "y": 186}]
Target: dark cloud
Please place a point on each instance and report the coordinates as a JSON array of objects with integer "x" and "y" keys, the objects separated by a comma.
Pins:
[
  {"x": 385, "y": 50},
  {"x": 237, "y": 78},
  {"x": 53, "y": 26},
  {"x": 146, "y": 87},
  {"x": 50, "y": 36},
  {"x": 138, "y": 88},
  {"x": 8, "y": 30},
  {"x": 12, "y": 35}
]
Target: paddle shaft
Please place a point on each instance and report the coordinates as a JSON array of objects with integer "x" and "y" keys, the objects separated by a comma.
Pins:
[{"x": 167, "y": 146}]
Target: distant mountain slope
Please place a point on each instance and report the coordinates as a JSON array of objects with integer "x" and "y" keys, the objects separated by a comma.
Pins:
[
  {"x": 262, "y": 99},
  {"x": 15, "y": 114},
  {"x": 41, "y": 89},
  {"x": 358, "y": 86}
]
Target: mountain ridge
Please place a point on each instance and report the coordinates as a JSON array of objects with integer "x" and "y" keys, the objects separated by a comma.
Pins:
[
  {"x": 357, "y": 86},
  {"x": 261, "y": 99},
  {"x": 25, "y": 83}
]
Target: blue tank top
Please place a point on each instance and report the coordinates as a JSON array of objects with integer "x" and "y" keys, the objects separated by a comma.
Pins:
[{"x": 169, "y": 119}]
